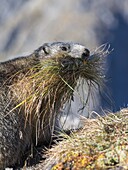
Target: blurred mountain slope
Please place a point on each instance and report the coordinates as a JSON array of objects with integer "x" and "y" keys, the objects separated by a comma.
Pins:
[{"x": 24, "y": 25}]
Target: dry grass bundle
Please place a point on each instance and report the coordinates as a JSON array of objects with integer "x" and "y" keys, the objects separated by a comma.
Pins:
[{"x": 44, "y": 89}]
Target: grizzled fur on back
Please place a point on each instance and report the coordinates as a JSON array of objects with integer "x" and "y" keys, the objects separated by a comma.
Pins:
[
  {"x": 14, "y": 136},
  {"x": 15, "y": 133}
]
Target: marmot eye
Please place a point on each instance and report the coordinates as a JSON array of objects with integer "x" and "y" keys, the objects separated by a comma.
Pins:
[
  {"x": 63, "y": 48},
  {"x": 66, "y": 47},
  {"x": 85, "y": 54}
]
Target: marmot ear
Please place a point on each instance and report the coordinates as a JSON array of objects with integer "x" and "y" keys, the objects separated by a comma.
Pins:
[
  {"x": 43, "y": 50},
  {"x": 46, "y": 49}
]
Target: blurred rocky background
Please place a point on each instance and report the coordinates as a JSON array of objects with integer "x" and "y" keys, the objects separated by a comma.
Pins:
[{"x": 27, "y": 24}]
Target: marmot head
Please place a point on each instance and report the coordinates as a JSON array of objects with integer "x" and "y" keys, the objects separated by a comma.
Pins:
[
  {"x": 75, "y": 58},
  {"x": 63, "y": 48}
]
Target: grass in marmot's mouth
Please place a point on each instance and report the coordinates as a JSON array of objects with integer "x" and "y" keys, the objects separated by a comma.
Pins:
[{"x": 48, "y": 85}]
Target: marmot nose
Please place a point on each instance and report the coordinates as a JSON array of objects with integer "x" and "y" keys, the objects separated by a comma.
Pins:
[{"x": 85, "y": 54}]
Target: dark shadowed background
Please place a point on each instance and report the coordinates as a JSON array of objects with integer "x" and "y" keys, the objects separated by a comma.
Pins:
[{"x": 27, "y": 24}]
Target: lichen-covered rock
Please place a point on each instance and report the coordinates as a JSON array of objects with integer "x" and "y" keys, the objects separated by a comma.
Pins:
[{"x": 101, "y": 144}]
